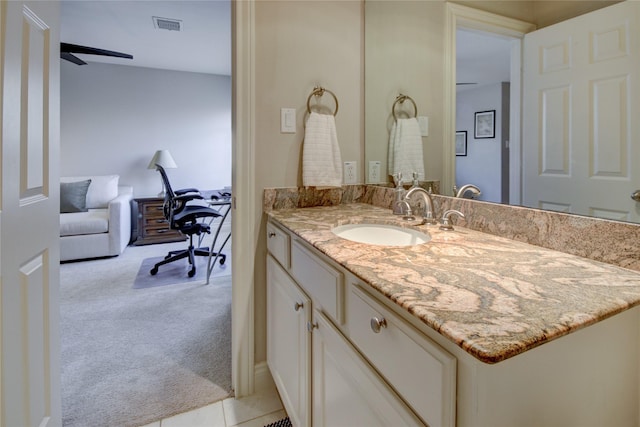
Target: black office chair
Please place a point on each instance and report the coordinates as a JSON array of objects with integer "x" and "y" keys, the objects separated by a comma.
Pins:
[{"x": 188, "y": 219}]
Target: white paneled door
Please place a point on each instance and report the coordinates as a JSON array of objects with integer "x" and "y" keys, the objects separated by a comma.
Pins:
[
  {"x": 580, "y": 114},
  {"x": 29, "y": 213}
]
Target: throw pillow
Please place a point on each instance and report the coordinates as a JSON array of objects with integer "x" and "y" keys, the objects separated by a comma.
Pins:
[
  {"x": 73, "y": 196},
  {"x": 102, "y": 190}
]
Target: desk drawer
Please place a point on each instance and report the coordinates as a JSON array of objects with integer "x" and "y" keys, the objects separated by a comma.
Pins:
[
  {"x": 151, "y": 226},
  {"x": 153, "y": 210},
  {"x": 421, "y": 371},
  {"x": 323, "y": 283},
  {"x": 155, "y": 223}
]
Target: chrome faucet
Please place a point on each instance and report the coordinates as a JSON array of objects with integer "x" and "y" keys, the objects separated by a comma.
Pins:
[
  {"x": 475, "y": 191},
  {"x": 427, "y": 215},
  {"x": 446, "y": 225}
]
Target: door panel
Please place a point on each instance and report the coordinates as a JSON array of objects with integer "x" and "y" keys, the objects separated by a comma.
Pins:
[
  {"x": 579, "y": 139},
  {"x": 29, "y": 215}
]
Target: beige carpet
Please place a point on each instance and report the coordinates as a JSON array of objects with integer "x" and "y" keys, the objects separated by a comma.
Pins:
[{"x": 133, "y": 356}]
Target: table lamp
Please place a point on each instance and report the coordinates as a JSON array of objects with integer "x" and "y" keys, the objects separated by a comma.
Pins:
[{"x": 164, "y": 159}]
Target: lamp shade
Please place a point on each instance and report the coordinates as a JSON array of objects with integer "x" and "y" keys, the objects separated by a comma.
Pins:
[{"x": 164, "y": 159}]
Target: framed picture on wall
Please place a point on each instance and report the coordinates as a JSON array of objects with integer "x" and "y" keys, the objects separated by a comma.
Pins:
[
  {"x": 461, "y": 143},
  {"x": 485, "y": 124}
]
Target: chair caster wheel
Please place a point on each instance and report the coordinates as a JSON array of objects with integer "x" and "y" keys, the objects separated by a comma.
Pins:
[
  {"x": 192, "y": 272},
  {"x": 222, "y": 260},
  {"x": 153, "y": 271}
]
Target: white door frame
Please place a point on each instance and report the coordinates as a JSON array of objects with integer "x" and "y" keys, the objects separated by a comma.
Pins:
[
  {"x": 245, "y": 209},
  {"x": 466, "y": 17}
]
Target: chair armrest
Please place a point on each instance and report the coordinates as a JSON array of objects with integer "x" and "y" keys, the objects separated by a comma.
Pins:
[
  {"x": 186, "y": 190},
  {"x": 186, "y": 197}
]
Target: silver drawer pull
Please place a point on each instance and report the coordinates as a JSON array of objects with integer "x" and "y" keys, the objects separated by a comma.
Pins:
[
  {"x": 272, "y": 234},
  {"x": 298, "y": 306},
  {"x": 311, "y": 326},
  {"x": 377, "y": 324}
]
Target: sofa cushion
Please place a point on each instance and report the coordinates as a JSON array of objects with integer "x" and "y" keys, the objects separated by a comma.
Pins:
[
  {"x": 93, "y": 221},
  {"x": 73, "y": 196},
  {"x": 102, "y": 190}
]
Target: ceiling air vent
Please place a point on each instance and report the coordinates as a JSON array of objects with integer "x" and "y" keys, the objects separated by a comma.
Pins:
[{"x": 167, "y": 24}]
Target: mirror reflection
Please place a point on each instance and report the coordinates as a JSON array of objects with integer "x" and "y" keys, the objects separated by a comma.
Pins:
[{"x": 567, "y": 160}]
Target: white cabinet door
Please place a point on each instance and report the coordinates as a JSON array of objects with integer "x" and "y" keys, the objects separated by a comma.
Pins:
[
  {"x": 289, "y": 342},
  {"x": 346, "y": 391}
]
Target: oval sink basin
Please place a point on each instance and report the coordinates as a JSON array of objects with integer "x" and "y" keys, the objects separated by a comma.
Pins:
[{"x": 377, "y": 234}]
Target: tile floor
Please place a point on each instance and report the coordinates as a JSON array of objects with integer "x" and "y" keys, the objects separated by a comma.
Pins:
[{"x": 257, "y": 410}]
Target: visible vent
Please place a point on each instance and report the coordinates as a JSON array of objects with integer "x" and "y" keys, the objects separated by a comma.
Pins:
[{"x": 167, "y": 24}]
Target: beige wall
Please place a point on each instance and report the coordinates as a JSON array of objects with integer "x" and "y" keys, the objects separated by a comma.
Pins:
[
  {"x": 299, "y": 44},
  {"x": 403, "y": 54}
]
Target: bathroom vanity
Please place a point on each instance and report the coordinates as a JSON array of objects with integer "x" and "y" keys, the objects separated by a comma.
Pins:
[{"x": 468, "y": 329}]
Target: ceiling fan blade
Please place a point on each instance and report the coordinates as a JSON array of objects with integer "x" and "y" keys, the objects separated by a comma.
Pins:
[
  {"x": 70, "y": 57},
  {"x": 74, "y": 48}
]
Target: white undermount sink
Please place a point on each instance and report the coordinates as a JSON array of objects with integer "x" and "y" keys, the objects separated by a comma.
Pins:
[{"x": 378, "y": 234}]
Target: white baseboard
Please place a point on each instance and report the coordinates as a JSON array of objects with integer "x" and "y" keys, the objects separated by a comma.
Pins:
[{"x": 262, "y": 376}]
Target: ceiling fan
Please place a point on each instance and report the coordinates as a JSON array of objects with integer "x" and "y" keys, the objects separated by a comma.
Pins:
[{"x": 67, "y": 51}]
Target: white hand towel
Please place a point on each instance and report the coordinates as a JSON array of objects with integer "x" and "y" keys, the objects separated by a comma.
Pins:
[
  {"x": 405, "y": 148},
  {"x": 321, "y": 161}
]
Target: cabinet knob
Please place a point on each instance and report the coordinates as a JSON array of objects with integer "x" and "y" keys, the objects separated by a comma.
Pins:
[
  {"x": 272, "y": 234},
  {"x": 636, "y": 195},
  {"x": 298, "y": 306},
  {"x": 311, "y": 326},
  {"x": 377, "y": 324}
]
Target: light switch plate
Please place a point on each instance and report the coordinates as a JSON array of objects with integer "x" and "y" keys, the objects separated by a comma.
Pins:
[
  {"x": 374, "y": 171},
  {"x": 287, "y": 120}
]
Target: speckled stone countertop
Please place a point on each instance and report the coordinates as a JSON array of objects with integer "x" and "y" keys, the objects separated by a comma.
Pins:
[{"x": 494, "y": 297}]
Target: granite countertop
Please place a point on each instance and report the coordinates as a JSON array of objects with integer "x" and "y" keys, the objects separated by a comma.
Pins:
[{"x": 494, "y": 297}]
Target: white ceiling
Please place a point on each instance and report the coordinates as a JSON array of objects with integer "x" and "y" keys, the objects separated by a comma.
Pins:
[
  {"x": 203, "y": 45},
  {"x": 482, "y": 58}
]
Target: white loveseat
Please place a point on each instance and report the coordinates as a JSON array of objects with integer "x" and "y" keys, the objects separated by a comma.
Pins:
[{"x": 100, "y": 228}]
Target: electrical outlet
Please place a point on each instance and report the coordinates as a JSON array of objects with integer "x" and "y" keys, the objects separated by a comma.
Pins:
[
  {"x": 350, "y": 172},
  {"x": 374, "y": 171}
]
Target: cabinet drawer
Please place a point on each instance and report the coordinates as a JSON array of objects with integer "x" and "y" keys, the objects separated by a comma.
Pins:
[
  {"x": 421, "y": 371},
  {"x": 159, "y": 222},
  {"x": 323, "y": 283},
  {"x": 153, "y": 210},
  {"x": 278, "y": 244}
]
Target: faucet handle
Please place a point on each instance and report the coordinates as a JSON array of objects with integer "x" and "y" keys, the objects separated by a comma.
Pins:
[
  {"x": 398, "y": 178},
  {"x": 446, "y": 225}
]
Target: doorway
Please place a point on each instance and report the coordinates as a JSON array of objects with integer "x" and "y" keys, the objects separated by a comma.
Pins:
[
  {"x": 484, "y": 63},
  {"x": 462, "y": 17},
  {"x": 135, "y": 146}
]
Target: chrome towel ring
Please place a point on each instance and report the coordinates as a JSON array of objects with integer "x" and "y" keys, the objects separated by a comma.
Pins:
[
  {"x": 400, "y": 100},
  {"x": 319, "y": 91}
]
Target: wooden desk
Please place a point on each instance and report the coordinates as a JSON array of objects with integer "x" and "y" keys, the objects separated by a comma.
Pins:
[{"x": 152, "y": 226}]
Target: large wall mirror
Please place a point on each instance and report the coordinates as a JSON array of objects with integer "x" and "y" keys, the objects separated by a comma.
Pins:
[{"x": 474, "y": 128}]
